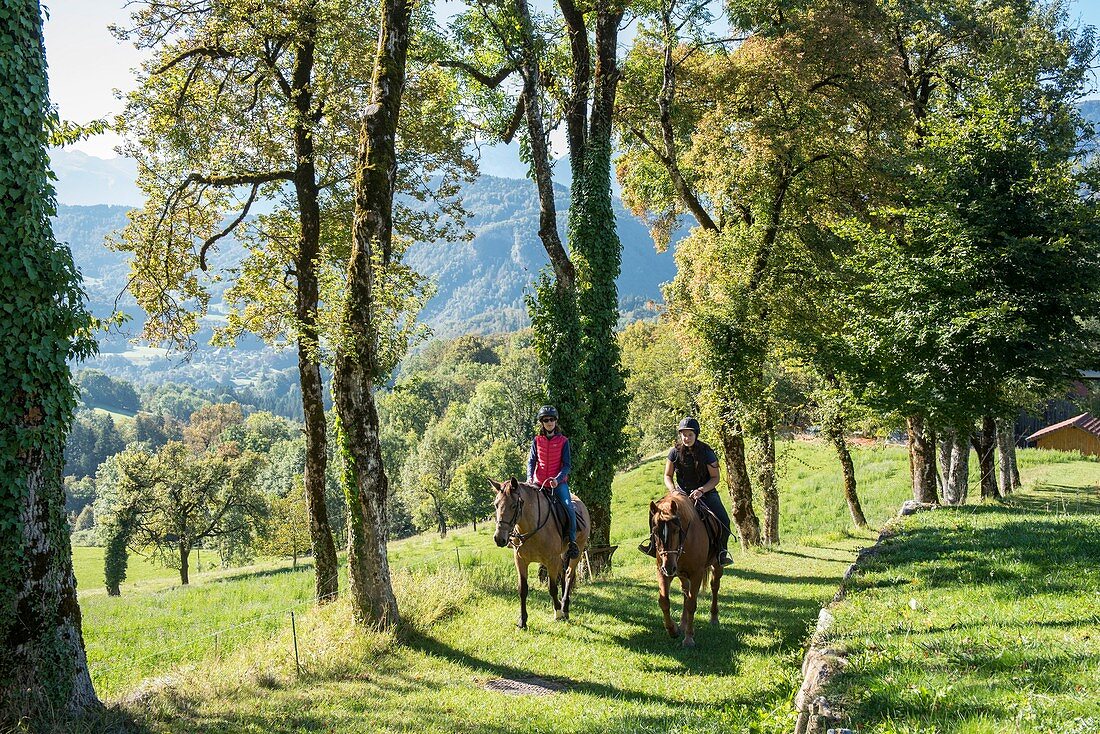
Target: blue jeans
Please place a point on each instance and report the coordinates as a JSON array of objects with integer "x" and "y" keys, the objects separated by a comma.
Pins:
[{"x": 562, "y": 493}]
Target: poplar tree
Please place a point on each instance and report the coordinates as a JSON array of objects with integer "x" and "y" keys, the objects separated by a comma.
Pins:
[
  {"x": 574, "y": 313},
  {"x": 43, "y": 668}
]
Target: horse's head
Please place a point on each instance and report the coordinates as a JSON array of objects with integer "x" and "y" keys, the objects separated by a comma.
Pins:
[
  {"x": 509, "y": 507},
  {"x": 668, "y": 535}
]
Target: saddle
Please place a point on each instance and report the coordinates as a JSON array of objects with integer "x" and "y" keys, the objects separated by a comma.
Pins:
[
  {"x": 710, "y": 523},
  {"x": 561, "y": 515}
]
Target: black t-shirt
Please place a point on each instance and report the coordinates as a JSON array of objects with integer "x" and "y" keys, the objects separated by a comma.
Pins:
[{"x": 691, "y": 466}]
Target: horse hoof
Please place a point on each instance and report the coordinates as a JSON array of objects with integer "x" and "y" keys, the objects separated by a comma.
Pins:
[
  {"x": 714, "y": 621},
  {"x": 673, "y": 633},
  {"x": 521, "y": 626},
  {"x": 688, "y": 642},
  {"x": 559, "y": 615}
]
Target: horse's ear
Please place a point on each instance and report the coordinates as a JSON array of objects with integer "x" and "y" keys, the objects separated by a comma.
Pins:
[
  {"x": 494, "y": 485},
  {"x": 514, "y": 482}
]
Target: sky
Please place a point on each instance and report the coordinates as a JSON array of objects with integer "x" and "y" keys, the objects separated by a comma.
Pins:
[{"x": 87, "y": 64}]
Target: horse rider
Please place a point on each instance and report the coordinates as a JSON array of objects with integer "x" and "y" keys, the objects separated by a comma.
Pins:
[
  {"x": 549, "y": 464},
  {"x": 692, "y": 469}
]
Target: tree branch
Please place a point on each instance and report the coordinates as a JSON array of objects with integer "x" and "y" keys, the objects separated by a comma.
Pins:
[
  {"x": 229, "y": 228},
  {"x": 212, "y": 52},
  {"x": 490, "y": 81}
]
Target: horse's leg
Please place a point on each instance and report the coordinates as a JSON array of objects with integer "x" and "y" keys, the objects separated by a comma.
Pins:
[
  {"x": 567, "y": 588},
  {"x": 554, "y": 575},
  {"x": 691, "y": 599},
  {"x": 521, "y": 568},
  {"x": 663, "y": 584},
  {"x": 715, "y": 583},
  {"x": 685, "y": 585}
]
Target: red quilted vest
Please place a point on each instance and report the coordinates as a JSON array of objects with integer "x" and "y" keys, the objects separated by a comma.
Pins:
[{"x": 548, "y": 450}]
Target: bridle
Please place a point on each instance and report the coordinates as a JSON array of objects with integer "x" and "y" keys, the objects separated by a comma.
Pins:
[
  {"x": 662, "y": 555},
  {"x": 516, "y": 539}
]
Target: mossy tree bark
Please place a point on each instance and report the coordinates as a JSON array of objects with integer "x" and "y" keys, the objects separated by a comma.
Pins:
[
  {"x": 740, "y": 487},
  {"x": 43, "y": 667},
  {"x": 922, "y": 459},
  {"x": 307, "y": 302},
  {"x": 373, "y": 600}
]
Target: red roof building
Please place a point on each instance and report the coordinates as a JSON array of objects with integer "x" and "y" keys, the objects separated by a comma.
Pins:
[{"x": 1081, "y": 433}]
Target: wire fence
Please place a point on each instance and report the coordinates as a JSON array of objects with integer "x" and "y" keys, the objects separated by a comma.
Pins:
[{"x": 117, "y": 675}]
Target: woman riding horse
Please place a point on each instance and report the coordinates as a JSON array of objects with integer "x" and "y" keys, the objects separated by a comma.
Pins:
[
  {"x": 526, "y": 521},
  {"x": 692, "y": 469},
  {"x": 549, "y": 464}
]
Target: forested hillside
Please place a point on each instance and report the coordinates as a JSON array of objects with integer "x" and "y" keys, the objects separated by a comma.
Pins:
[{"x": 481, "y": 283}]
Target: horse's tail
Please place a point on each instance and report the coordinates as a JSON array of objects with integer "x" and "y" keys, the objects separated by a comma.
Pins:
[{"x": 544, "y": 575}]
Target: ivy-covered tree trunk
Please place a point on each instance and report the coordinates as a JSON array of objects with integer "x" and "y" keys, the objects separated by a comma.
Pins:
[
  {"x": 326, "y": 569},
  {"x": 43, "y": 667},
  {"x": 597, "y": 256},
  {"x": 373, "y": 600},
  {"x": 985, "y": 441},
  {"x": 740, "y": 487},
  {"x": 922, "y": 459}
]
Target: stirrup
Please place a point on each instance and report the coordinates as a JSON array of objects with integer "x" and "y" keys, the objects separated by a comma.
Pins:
[
  {"x": 724, "y": 558},
  {"x": 648, "y": 548},
  {"x": 573, "y": 551}
]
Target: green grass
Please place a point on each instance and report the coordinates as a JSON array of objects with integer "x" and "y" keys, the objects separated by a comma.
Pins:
[
  {"x": 983, "y": 618},
  {"x": 621, "y": 673}
]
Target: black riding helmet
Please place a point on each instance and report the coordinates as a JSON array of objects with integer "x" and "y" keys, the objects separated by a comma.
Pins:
[
  {"x": 688, "y": 424},
  {"x": 547, "y": 411}
]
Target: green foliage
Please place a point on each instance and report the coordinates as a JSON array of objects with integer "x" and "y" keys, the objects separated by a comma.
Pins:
[
  {"x": 662, "y": 384},
  {"x": 180, "y": 499},
  {"x": 969, "y": 293},
  {"x": 100, "y": 390},
  {"x": 93, "y": 437},
  {"x": 286, "y": 532}
]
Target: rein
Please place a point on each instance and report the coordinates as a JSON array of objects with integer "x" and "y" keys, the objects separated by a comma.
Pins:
[{"x": 516, "y": 539}]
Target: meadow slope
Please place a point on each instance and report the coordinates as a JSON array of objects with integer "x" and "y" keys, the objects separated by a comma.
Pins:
[{"x": 617, "y": 670}]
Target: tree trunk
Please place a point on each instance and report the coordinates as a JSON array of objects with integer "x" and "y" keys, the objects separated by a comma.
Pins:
[
  {"x": 945, "y": 443},
  {"x": 956, "y": 450},
  {"x": 1009, "y": 477},
  {"x": 185, "y": 553},
  {"x": 373, "y": 600},
  {"x": 1016, "y": 484},
  {"x": 740, "y": 487},
  {"x": 43, "y": 667},
  {"x": 768, "y": 485},
  {"x": 326, "y": 568},
  {"x": 1004, "y": 470},
  {"x": 849, "y": 470},
  {"x": 984, "y": 443},
  {"x": 922, "y": 460}
]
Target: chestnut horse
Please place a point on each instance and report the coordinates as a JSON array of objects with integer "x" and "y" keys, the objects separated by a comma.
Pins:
[
  {"x": 683, "y": 551},
  {"x": 526, "y": 522}
]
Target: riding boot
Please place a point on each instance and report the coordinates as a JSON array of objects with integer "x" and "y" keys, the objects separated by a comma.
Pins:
[{"x": 648, "y": 547}]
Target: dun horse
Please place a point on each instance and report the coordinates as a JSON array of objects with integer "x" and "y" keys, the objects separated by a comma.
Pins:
[
  {"x": 683, "y": 551},
  {"x": 526, "y": 521}
]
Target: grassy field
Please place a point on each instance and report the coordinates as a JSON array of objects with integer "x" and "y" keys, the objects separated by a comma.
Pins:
[
  {"x": 618, "y": 669},
  {"x": 982, "y": 619}
]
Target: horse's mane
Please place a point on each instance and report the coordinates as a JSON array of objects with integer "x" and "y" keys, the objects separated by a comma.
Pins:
[{"x": 674, "y": 505}]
